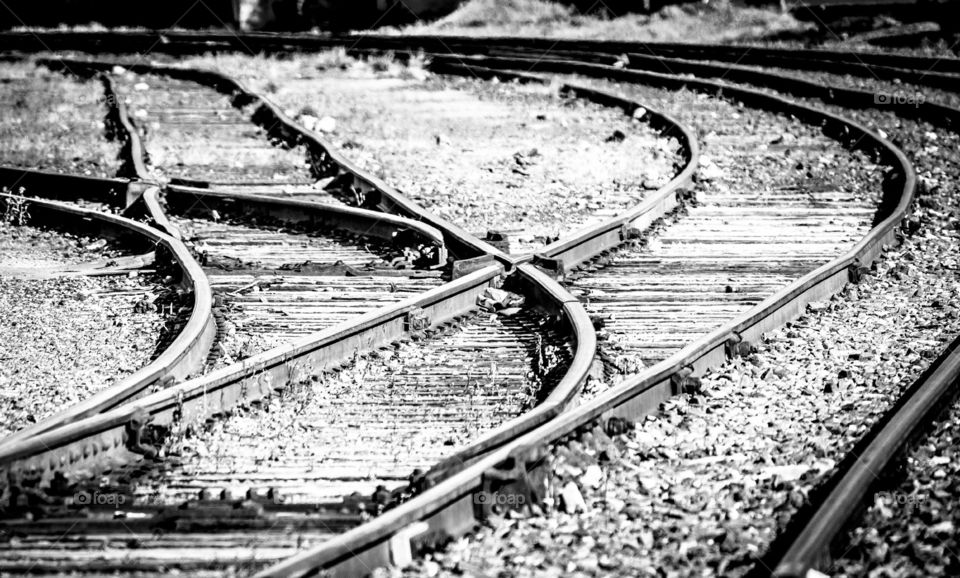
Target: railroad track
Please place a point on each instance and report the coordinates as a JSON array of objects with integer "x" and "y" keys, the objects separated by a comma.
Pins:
[{"x": 504, "y": 469}]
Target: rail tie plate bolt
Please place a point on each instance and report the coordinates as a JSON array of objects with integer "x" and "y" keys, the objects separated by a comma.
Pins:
[
  {"x": 416, "y": 320},
  {"x": 737, "y": 346},
  {"x": 684, "y": 381},
  {"x": 616, "y": 426},
  {"x": 857, "y": 272},
  {"x": 134, "y": 430}
]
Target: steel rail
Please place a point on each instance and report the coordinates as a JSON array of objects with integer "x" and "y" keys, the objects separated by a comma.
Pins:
[
  {"x": 142, "y": 199},
  {"x": 65, "y": 187},
  {"x": 928, "y": 110},
  {"x": 450, "y": 508},
  {"x": 901, "y": 34},
  {"x": 356, "y": 220},
  {"x": 196, "y": 42},
  {"x": 852, "y": 62},
  {"x": 183, "y": 357},
  {"x": 806, "y": 544},
  {"x": 311, "y": 213},
  {"x": 579, "y": 248},
  {"x": 934, "y": 71},
  {"x": 78, "y": 444}
]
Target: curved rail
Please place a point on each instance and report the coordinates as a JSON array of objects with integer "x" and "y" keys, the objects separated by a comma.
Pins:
[
  {"x": 198, "y": 42},
  {"x": 76, "y": 446},
  {"x": 183, "y": 357},
  {"x": 450, "y": 508},
  {"x": 930, "y": 71}
]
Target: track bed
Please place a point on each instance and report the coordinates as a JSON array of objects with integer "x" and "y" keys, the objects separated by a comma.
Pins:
[{"x": 376, "y": 421}]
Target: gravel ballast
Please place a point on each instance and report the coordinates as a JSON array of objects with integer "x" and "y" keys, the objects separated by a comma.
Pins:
[
  {"x": 64, "y": 337},
  {"x": 520, "y": 160},
  {"x": 911, "y": 528},
  {"x": 704, "y": 486}
]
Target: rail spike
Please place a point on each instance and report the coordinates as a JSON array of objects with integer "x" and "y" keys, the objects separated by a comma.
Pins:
[
  {"x": 416, "y": 320},
  {"x": 737, "y": 346},
  {"x": 684, "y": 381},
  {"x": 134, "y": 431},
  {"x": 857, "y": 271}
]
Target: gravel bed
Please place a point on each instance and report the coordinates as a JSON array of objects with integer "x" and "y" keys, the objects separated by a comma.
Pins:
[
  {"x": 516, "y": 159},
  {"x": 704, "y": 486},
  {"x": 29, "y": 247},
  {"x": 911, "y": 528},
  {"x": 63, "y": 338},
  {"x": 49, "y": 121}
]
